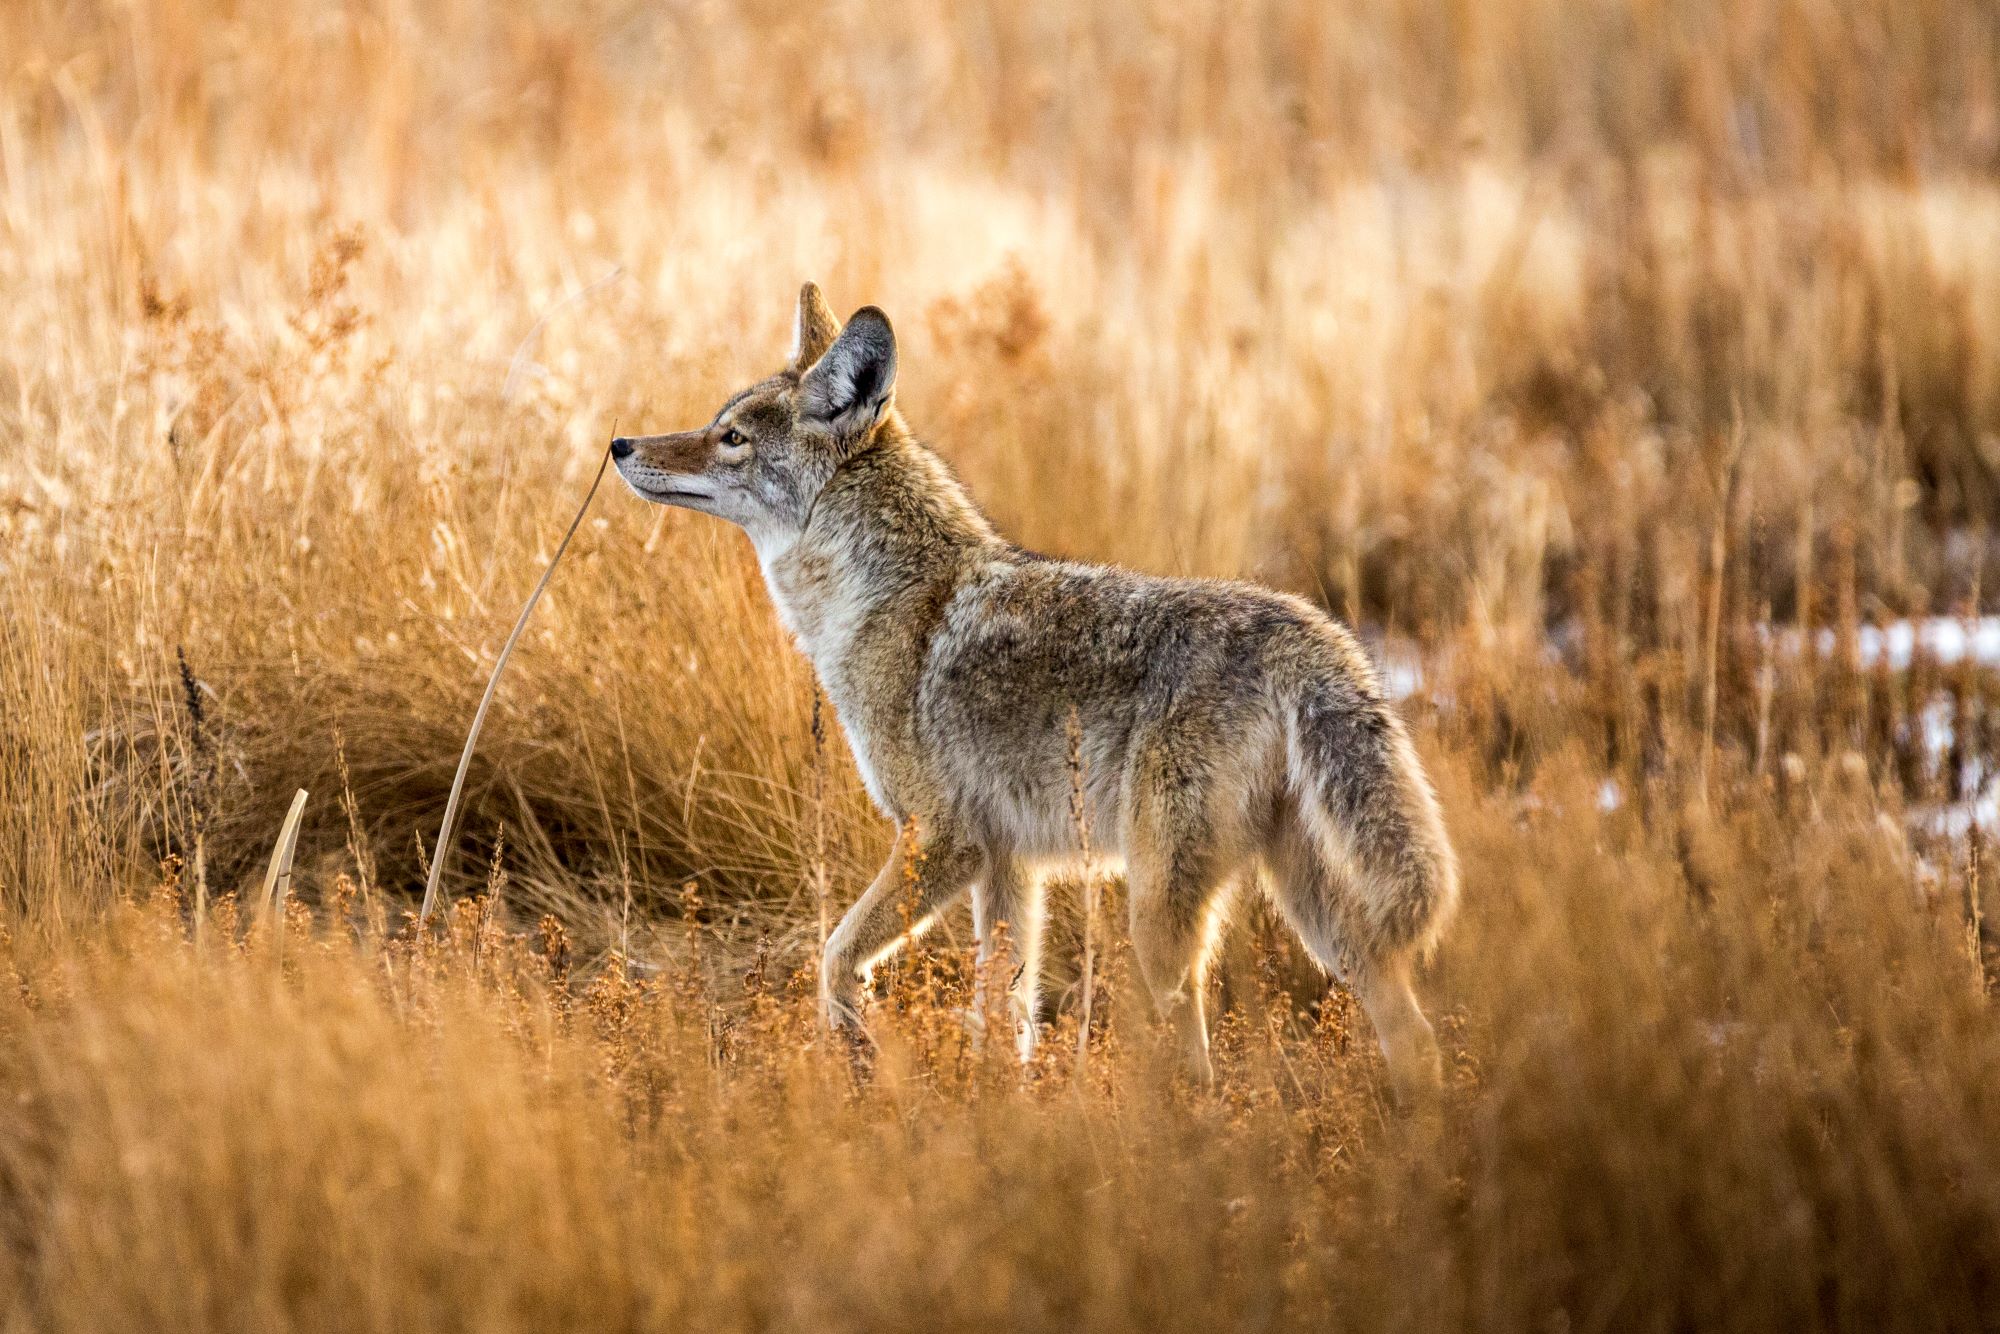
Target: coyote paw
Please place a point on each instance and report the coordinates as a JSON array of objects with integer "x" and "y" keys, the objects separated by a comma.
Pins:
[{"x": 844, "y": 1028}]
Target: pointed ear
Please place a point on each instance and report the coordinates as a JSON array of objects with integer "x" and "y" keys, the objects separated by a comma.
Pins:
[
  {"x": 814, "y": 329},
  {"x": 849, "y": 387}
]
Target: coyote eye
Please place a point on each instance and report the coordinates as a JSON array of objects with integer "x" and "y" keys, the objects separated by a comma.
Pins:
[{"x": 734, "y": 437}]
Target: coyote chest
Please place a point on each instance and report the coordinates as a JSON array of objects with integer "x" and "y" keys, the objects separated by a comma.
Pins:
[{"x": 839, "y": 625}]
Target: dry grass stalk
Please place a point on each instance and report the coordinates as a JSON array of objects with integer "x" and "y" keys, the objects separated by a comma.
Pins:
[
  {"x": 1079, "y": 814},
  {"x": 441, "y": 850},
  {"x": 1975, "y": 915},
  {"x": 819, "y": 868},
  {"x": 1718, "y": 568},
  {"x": 278, "y": 877}
]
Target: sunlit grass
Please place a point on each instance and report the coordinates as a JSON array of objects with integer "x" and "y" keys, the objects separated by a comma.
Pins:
[{"x": 1567, "y": 348}]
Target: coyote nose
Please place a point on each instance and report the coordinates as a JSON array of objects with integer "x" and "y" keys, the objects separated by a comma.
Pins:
[{"x": 621, "y": 448}]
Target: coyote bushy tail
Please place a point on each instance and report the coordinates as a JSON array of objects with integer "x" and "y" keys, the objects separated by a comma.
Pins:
[{"x": 1374, "y": 822}]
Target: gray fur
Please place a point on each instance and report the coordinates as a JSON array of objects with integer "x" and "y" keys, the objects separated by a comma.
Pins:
[{"x": 1225, "y": 727}]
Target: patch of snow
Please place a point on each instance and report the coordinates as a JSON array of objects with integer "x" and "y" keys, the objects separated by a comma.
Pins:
[
  {"x": 1945, "y": 639},
  {"x": 1953, "y": 820}
]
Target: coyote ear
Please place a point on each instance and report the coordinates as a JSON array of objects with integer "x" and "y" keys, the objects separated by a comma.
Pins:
[
  {"x": 814, "y": 329},
  {"x": 849, "y": 387}
]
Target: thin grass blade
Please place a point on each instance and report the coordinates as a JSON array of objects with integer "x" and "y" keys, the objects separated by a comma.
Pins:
[{"x": 438, "y": 854}]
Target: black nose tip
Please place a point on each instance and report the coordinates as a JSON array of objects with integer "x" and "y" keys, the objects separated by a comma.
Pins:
[{"x": 621, "y": 448}]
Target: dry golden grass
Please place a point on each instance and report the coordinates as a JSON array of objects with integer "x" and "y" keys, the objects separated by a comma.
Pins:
[{"x": 1570, "y": 345}]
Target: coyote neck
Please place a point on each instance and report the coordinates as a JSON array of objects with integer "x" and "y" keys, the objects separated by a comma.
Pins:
[{"x": 889, "y": 537}]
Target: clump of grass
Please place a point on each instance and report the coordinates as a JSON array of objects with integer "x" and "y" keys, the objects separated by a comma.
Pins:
[{"x": 681, "y": 1142}]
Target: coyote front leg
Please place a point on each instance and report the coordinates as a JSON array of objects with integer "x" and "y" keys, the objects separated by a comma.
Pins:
[
  {"x": 919, "y": 881},
  {"x": 1008, "y": 894}
]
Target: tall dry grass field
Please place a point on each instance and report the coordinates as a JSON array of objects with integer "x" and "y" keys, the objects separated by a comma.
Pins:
[{"x": 1630, "y": 372}]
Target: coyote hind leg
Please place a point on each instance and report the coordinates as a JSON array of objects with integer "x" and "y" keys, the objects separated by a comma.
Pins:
[
  {"x": 1174, "y": 926},
  {"x": 1408, "y": 1044},
  {"x": 1310, "y": 894},
  {"x": 1176, "y": 869}
]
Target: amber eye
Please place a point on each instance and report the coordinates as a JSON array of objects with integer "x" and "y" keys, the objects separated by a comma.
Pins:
[{"x": 734, "y": 437}]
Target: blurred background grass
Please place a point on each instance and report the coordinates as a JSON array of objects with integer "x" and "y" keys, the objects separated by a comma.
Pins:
[{"x": 1626, "y": 371}]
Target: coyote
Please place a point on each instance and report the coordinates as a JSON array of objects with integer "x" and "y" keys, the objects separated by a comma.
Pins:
[{"x": 1222, "y": 726}]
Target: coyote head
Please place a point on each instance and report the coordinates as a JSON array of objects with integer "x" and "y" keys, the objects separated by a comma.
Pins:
[{"x": 764, "y": 457}]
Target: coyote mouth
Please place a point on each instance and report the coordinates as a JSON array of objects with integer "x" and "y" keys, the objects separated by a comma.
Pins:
[{"x": 669, "y": 492}]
